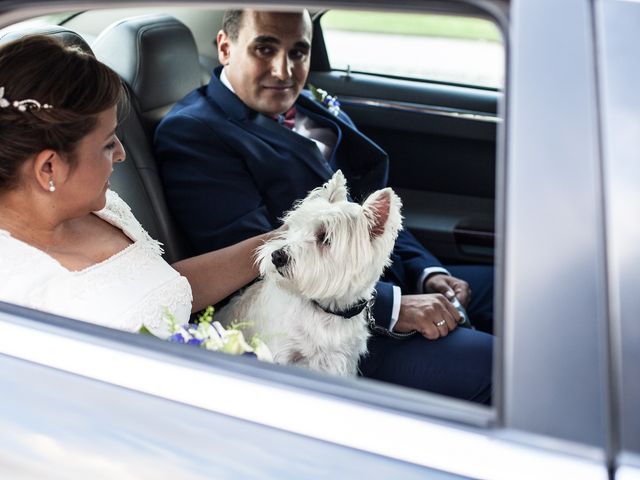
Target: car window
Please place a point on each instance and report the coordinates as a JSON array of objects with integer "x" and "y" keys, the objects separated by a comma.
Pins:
[
  {"x": 91, "y": 24},
  {"x": 474, "y": 134},
  {"x": 446, "y": 48}
]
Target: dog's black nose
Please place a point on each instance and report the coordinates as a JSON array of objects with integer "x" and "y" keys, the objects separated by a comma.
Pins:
[{"x": 279, "y": 258}]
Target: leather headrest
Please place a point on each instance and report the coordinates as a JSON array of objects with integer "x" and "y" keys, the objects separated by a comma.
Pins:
[
  {"x": 67, "y": 36},
  {"x": 156, "y": 55}
]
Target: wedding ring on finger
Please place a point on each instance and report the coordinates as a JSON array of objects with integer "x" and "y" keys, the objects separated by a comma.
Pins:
[{"x": 441, "y": 323}]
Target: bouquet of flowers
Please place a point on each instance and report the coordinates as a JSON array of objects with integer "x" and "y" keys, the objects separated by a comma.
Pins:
[{"x": 211, "y": 335}]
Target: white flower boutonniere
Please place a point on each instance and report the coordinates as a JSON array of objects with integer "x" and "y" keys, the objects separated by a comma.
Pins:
[{"x": 321, "y": 96}]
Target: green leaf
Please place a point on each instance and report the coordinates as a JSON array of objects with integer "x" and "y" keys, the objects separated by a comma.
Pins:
[{"x": 145, "y": 331}]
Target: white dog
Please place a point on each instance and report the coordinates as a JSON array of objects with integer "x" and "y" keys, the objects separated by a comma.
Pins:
[{"x": 312, "y": 306}]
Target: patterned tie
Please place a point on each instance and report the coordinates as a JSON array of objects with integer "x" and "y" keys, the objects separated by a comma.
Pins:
[{"x": 288, "y": 119}]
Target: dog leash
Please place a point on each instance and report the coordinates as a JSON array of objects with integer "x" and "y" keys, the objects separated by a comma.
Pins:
[
  {"x": 375, "y": 328},
  {"x": 367, "y": 306}
]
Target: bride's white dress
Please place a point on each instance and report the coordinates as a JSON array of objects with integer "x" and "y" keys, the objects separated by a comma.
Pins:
[{"x": 128, "y": 290}]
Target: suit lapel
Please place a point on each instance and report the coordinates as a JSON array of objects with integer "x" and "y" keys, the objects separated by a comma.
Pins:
[
  {"x": 364, "y": 163},
  {"x": 304, "y": 150},
  {"x": 224, "y": 99},
  {"x": 266, "y": 128}
]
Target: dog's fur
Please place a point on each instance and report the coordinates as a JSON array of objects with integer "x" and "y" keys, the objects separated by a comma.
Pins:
[{"x": 331, "y": 251}]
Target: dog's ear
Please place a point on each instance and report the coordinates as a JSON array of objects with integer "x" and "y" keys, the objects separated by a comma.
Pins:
[
  {"x": 333, "y": 190},
  {"x": 336, "y": 188},
  {"x": 376, "y": 208}
]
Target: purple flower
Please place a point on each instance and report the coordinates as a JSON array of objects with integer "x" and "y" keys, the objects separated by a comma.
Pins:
[{"x": 177, "y": 337}]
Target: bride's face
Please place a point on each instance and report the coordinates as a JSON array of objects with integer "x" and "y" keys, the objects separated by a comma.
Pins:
[{"x": 96, "y": 153}]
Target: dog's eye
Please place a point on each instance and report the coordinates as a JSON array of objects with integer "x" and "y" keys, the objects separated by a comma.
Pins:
[{"x": 322, "y": 238}]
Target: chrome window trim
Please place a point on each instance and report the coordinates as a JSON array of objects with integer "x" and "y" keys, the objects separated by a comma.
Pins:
[
  {"x": 421, "y": 109},
  {"x": 161, "y": 375},
  {"x": 627, "y": 465},
  {"x": 627, "y": 473},
  {"x": 616, "y": 25}
]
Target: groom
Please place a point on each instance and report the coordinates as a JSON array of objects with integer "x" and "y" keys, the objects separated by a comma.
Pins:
[{"x": 236, "y": 154}]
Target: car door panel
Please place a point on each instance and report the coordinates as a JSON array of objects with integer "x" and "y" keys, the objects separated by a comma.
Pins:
[
  {"x": 441, "y": 144},
  {"x": 191, "y": 413},
  {"x": 131, "y": 431}
]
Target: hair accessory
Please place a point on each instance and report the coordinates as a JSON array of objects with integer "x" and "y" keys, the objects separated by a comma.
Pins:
[
  {"x": 22, "y": 105},
  {"x": 52, "y": 187}
]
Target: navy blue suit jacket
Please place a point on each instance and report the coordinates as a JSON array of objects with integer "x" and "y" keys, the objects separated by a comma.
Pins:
[{"x": 230, "y": 173}]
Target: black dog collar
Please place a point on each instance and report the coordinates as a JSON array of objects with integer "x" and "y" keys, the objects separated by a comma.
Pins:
[{"x": 351, "y": 311}]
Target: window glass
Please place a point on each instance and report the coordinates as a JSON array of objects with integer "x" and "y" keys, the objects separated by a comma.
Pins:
[
  {"x": 44, "y": 20},
  {"x": 91, "y": 23},
  {"x": 447, "y": 48}
]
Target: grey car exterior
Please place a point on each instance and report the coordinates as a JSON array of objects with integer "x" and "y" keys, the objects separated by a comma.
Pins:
[{"x": 82, "y": 401}]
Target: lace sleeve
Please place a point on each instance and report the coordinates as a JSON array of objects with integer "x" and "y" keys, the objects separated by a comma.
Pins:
[{"x": 119, "y": 214}]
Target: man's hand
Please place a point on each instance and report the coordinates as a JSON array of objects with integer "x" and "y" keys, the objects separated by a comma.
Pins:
[
  {"x": 449, "y": 287},
  {"x": 431, "y": 314}
]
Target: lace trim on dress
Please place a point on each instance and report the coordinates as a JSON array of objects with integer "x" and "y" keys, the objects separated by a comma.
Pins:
[
  {"x": 119, "y": 214},
  {"x": 20, "y": 257},
  {"x": 173, "y": 297},
  {"x": 127, "y": 265}
]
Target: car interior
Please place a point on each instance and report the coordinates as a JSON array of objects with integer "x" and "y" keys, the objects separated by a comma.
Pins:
[{"x": 440, "y": 137}]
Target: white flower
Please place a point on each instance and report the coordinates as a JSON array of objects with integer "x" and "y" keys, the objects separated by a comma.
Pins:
[
  {"x": 213, "y": 336},
  {"x": 261, "y": 350}
]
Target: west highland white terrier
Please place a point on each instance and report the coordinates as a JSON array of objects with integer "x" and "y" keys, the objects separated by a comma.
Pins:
[{"x": 312, "y": 306}]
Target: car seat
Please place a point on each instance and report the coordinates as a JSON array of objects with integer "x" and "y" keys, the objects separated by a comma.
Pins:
[
  {"x": 157, "y": 57},
  {"x": 68, "y": 37}
]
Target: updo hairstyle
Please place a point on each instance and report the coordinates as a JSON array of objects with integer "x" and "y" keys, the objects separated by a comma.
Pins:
[{"x": 76, "y": 85}]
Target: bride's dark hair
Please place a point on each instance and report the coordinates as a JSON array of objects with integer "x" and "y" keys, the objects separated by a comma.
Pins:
[{"x": 73, "y": 82}]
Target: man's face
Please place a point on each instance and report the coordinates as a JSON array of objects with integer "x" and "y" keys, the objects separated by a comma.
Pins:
[{"x": 268, "y": 63}]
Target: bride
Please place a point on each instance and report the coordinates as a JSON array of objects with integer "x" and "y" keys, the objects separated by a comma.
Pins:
[{"x": 68, "y": 244}]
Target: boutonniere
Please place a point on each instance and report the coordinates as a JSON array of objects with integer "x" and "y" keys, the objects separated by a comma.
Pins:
[{"x": 321, "y": 96}]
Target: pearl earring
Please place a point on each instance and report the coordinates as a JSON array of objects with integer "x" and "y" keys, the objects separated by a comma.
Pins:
[{"x": 52, "y": 187}]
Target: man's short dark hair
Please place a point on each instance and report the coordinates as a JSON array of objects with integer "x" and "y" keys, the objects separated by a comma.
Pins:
[{"x": 231, "y": 23}]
